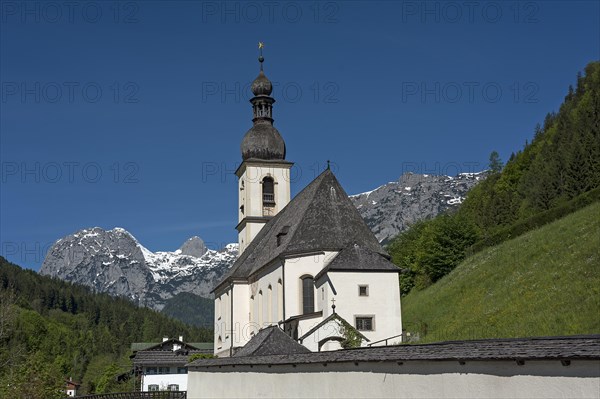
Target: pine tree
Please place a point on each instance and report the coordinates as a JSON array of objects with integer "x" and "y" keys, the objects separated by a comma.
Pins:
[{"x": 495, "y": 164}]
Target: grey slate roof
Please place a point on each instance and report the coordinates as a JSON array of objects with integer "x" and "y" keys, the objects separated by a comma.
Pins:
[
  {"x": 356, "y": 258},
  {"x": 271, "y": 341},
  {"x": 164, "y": 358},
  {"x": 320, "y": 218},
  {"x": 575, "y": 347},
  {"x": 168, "y": 344}
]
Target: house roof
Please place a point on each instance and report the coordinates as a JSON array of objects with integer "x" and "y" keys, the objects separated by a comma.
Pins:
[
  {"x": 320, "y": 218},
  {"x": 140, "y": 346},
  {"x": 542, "y": 348},
  {"x": 356, "y": 258},
  {"x": 271, "y": 341},
  {"x": 167, "y": 358}
]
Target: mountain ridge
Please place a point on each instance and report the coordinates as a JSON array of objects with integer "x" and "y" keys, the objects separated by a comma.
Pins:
[
  {"x": 393, "y": 207},
  {"x": 115, "y": 262}
]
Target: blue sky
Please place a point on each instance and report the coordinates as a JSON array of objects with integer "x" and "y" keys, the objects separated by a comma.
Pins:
[{"x": 131, "y": 113}]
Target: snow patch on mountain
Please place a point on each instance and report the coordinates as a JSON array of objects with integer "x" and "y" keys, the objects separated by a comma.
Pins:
[
  {"x": 393, "y": 207},
  {"x": 113, "y": 261}
]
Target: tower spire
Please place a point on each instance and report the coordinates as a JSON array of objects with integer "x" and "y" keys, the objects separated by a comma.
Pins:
[
  {"x": 262, "y": 102},
  {"x": 261, "y": 59}
]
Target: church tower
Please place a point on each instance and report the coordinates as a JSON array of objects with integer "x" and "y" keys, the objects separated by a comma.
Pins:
[{"x": 264, "y": 175}]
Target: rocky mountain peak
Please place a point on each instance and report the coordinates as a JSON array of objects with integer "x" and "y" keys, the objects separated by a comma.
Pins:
[
  {"x": 194, "y": 246},
  {"x": 394, "y": 206},
  {"x": 113, "y": 261}
]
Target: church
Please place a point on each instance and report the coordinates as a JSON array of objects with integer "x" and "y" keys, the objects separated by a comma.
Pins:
[
  {"x": 308, "y": 265},
  {"x": 311, "y": 307}
]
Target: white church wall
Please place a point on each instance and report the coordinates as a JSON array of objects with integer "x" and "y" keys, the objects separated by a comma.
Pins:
[
  {"x": 269, "y": 281},
  {"x": 228, "y": 334},
  {"x": 294, "y": 269},
  {"x": 415, "y": 379},
  {"x": 382, "y": 302}
]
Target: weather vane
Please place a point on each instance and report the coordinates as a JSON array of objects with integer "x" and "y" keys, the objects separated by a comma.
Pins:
[{"x": 260, "y": 57}]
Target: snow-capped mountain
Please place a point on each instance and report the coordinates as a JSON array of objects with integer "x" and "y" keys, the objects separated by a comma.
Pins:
[
  {"x": 393, "y": 207},
  {"x": 113, "y": 261}
]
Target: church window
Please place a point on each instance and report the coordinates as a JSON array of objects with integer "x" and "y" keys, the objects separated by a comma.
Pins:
[
  {"x": 269, "y": 303},
  {"x": 173, "y": 387},
  {"x": 260, "y": 308},
  {"x": 182, "y": 370},
  {"x": 268, "y": 189},
  {"x": 164, "y": 370},
  {"x": 364, "y": 323},
  {"x": 219, "y": 308},
  {"x": 153, "y": 387},
  {"x": 151, "y": 370},
  {"x": 308, "y": 295},
  {"x": 363, "y": 290},
  {"x": 279, "y": 300}
]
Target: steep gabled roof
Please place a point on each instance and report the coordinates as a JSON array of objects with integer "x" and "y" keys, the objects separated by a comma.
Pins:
[
  {"x": 320, "y": 218},
  {"x": 356, "y": 258},
  {"x": 271, "y": 341}
]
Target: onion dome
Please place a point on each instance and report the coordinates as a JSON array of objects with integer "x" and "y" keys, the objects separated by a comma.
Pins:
[
  {"x": 262, "y": 85},
  {"x": 262, "y": 141}
]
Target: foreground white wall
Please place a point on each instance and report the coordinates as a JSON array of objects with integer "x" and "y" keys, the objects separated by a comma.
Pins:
[{"x": 414, "y": 379}]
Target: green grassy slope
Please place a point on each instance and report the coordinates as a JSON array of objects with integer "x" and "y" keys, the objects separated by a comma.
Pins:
[{"x": 545, "y": 282}]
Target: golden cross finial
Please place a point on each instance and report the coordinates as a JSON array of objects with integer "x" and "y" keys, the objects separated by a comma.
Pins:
[{"x": 261, "y": 45}]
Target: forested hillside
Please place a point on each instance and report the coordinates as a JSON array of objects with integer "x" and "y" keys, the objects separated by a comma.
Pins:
[
  {"x": 51, "y": 330},
  {"x": 555, "y": 174},
  {"x": 191, "y": 308},
  {"x": 542, "y": 283}
]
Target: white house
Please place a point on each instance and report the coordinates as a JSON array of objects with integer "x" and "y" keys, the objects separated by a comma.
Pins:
[
  {"x": 162, "y": 366},
  {"x": 302, "y": 260},
  {"x": 71, "y": 387}
]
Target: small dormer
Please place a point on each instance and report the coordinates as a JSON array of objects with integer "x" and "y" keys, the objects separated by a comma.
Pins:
[{"x": 281, "y": 235}]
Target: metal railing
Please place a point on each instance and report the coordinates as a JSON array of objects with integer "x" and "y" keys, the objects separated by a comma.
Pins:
[
  {"x": 386, "y": 340},
  {"x": 268, "y": 199}
]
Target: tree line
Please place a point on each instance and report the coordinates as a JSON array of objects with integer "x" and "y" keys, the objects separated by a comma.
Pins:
[{"x": 51, "y": 330}]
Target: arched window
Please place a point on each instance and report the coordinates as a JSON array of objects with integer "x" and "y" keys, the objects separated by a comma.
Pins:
[
  {"x": 269, "y": 304},
  {"x": 279, "y": 300},
  {"x": 260, "y": 309},
  {"x": 268, "y": 189},
  {"x": 308, "y": 294},
  {"x": 219, "y": 308}
]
